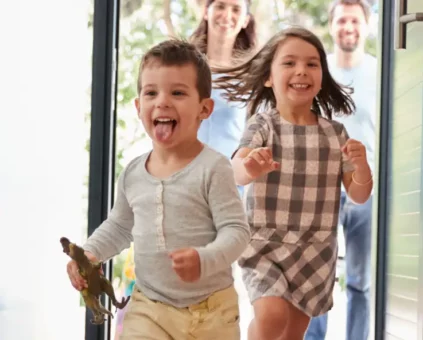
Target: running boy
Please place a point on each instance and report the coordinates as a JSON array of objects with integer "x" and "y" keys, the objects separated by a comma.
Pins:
[
  {"x": 180, "y": 205},
  {"x": 295, "y": 160}
]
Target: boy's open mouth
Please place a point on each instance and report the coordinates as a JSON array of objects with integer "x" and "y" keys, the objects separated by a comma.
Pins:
[{"x": 163, "y": 128}]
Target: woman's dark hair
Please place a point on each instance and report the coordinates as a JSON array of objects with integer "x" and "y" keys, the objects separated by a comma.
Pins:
[
  {"x": 245, "y": 40},
  {"x": 245, "y": 82}
]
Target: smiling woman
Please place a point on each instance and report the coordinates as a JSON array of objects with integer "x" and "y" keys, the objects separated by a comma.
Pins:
[
  {"x": 229, "y": 22},
  {"x": 227, "y": 29}
]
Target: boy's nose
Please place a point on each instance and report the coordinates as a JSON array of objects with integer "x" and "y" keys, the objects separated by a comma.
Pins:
[
  {"x": 163, "y": 102},
  {"x": 162, "y": 105}
]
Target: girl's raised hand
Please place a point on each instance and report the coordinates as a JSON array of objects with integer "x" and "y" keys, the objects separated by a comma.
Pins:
[{"x": 259, "y": 162}]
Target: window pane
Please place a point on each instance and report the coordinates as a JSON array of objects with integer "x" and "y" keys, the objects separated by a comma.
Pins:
[{"x": 43, "y": 177}]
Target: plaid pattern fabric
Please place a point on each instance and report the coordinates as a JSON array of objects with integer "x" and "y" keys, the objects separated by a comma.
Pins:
[{"x": 293, "y": 212}]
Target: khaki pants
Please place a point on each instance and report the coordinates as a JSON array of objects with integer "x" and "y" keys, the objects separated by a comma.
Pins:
[{"x": 216, "y": 318}]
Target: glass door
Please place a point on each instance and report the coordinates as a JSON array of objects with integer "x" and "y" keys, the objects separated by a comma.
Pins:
[{"x": 399, "y": 289}]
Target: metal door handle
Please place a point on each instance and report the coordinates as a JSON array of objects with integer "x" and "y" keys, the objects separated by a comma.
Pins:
[{"x": 402, "y": 19}]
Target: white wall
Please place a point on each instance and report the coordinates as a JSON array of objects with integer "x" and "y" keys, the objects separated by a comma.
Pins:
[{"x": 44, "y": 74}]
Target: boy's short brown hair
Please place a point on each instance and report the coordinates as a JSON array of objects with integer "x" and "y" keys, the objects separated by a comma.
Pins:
[
  {"x": 177, "y": 52},
  {"x": 362, "y": 3}
]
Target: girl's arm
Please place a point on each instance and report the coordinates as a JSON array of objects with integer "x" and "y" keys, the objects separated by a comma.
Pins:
[
  {"x": 240, "y": 173},
  {"x": 358, "y": 184},
  {"x": 249, "y": 164},
  {"x": 254, "y": 137}
]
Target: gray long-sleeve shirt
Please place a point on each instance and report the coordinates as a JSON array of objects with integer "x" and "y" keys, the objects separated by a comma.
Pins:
[{"x": 199, "y": 207}]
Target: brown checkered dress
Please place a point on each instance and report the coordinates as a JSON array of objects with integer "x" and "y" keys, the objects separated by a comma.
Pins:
[{"x": 293, "y": 212}]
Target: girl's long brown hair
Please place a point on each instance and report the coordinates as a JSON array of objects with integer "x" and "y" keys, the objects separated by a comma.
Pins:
[
  {"x": 245, "y": 82},
  {"x": 245, "y": 40}
]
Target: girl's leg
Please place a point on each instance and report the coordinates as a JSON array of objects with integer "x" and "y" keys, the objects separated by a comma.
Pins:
[
  {"x": 270, "y": 318},
  {"x": 252, "y": 332},
  {"x": 297, "y": 324}
]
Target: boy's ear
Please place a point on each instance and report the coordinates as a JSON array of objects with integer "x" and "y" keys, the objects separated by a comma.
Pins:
[
  {"x": 207, "y": 109},
  {"x": 137, "y": 106}
]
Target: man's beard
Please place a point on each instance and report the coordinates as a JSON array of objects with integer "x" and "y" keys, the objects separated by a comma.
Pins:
[{"x": 348, "y": 47}]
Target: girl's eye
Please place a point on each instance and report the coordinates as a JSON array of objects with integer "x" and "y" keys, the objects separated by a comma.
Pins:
[
  {"x": 288, "y": 63},
  {"x": 150, "y": 93},
  {"x": 178, "y": 93}
]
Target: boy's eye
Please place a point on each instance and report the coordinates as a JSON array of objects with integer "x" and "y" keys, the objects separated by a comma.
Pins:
[
  {"x": 150, "y": 93},
  {"x": 178, "y": 93}
]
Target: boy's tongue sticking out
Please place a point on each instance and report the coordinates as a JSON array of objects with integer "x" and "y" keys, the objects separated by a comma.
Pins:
[{"x": 163, "y": 128}]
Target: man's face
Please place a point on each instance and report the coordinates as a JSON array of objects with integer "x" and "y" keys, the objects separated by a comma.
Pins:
[{"x": 349, "y": 27}]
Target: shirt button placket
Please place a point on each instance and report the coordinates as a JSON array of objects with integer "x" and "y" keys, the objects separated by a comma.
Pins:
[{"x": 159, "y": 218}]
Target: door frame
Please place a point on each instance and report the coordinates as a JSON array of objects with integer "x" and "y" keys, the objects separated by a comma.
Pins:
[
  {"x": 102, "y": 137},
  {"x": 386, "y": 57}
]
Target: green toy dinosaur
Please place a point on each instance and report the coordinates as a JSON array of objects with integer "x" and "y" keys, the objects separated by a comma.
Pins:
[{"x": 97, "y": 282}]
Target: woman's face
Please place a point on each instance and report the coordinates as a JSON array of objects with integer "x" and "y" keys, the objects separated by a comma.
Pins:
[{"x": 226, "y": 18}]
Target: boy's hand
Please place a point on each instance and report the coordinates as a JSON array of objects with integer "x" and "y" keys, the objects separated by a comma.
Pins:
[
  {"x": 78, "y": 282},
  {"x": 356, "y": 154},
  {"x": 259, "y": 162},
  {"x": 186, "y": 263}
]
